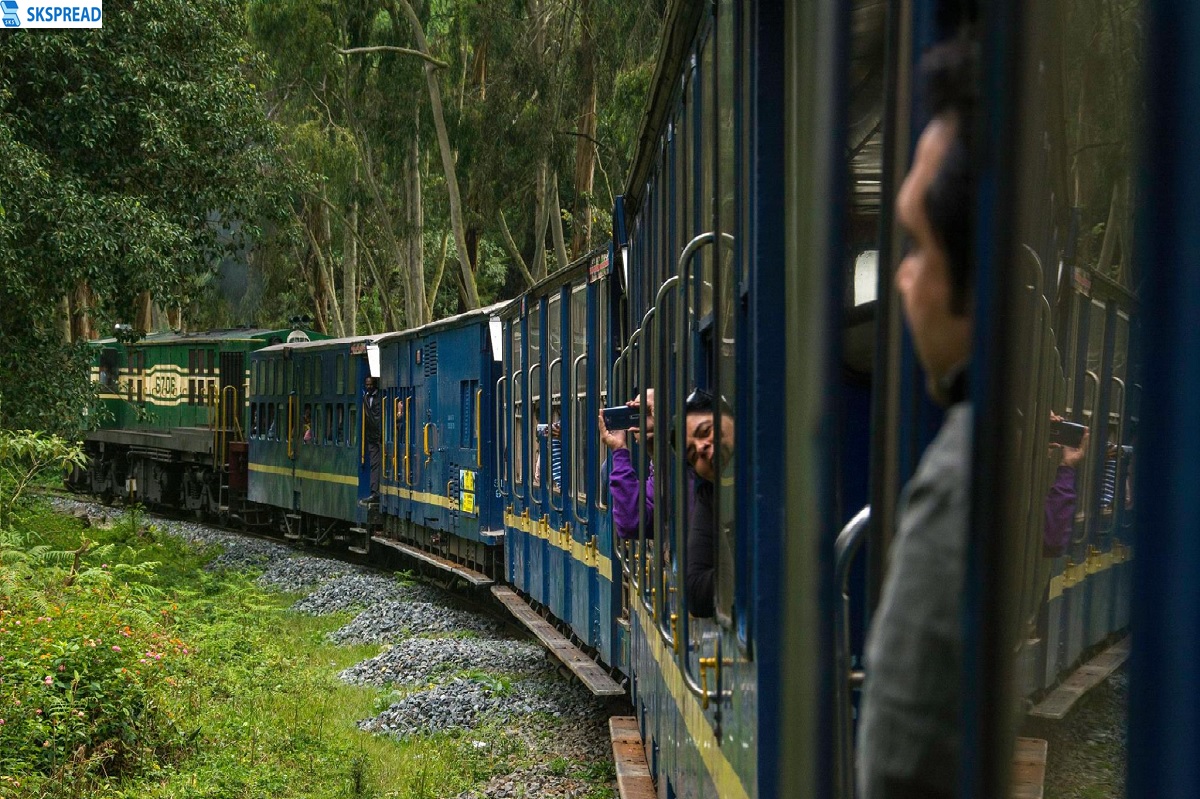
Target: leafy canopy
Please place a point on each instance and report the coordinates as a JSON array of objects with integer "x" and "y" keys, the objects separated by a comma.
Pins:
[{"x": 134, "y": 156}]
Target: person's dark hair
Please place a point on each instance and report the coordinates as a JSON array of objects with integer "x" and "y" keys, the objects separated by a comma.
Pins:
[
  {"x": 701, "y": 401},
  {"x": 951, "y": 78}
]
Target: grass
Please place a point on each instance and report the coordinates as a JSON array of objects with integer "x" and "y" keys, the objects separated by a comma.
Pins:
[{"x": 248, "y": 704}]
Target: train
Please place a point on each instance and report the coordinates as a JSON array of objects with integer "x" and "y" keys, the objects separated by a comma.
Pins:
[{"x": 751, "y": 257}]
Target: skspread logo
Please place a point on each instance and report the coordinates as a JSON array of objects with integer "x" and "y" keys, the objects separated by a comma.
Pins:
[{"x": 51, "y": 14}]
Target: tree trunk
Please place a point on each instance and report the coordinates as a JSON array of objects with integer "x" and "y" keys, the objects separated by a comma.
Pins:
[
  {"x": 64, "y": 319},
  {"x": 436, "y": 284},
  {"x": 81, "y": 314},
  {"x": 144, "y": 314},
  {"x": 514, "y": 251},
  {"x": 385, "y": 302},
  {"x": 439, "y": 123},
  {"x": 332, "y": 307},
  {"x": 350, "y": 271},
  {"x": 556, "y": 228},
  {"x": 585, "y": 142},
  {"x": 175, "y": 317},
  {"x": 539, "y": 222},
  {"x": 415, "y": 233}
]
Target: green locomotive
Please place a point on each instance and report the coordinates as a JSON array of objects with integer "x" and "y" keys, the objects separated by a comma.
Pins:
[{"x": 172, "y": 423}]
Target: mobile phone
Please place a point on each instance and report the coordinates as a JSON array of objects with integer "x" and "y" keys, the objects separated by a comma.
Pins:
[
  {"x": 621, "y": 417},
  {"x": 1068, "y": 434}
]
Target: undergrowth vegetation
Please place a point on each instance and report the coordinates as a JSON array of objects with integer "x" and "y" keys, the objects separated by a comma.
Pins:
[{"x": 128, "y": 670}]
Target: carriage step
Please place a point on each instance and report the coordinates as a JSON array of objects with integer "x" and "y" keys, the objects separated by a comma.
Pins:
[
  {"x": 470, "y": 575},
  {"x": 589, "y": 672},
  {"x": 1029, "y": 768},
  {"x": 629, "y": 756},
  {"x": 292, "y": 517},
  {"x": 1059, "y": 702},
  {"x": 358, "y": 550}
]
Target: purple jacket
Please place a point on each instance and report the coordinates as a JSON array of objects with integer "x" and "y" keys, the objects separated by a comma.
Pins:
[
  {"x": 1060, "y": 513},
  {"x": 623, "y": 489}
]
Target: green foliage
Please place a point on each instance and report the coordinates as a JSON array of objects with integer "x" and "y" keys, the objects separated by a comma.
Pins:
[
  {"x": 216, "y": 690},
  {"x": 135, "y": 157},
  {"x": 26, "y": 455},
  {"x": 82, "y": 664}
]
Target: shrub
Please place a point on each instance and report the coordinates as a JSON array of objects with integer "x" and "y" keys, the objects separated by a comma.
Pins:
[{"x": 81, "y": 661}]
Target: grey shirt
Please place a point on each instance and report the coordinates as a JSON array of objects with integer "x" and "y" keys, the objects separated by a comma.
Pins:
[{"x": 908, "y": 738}]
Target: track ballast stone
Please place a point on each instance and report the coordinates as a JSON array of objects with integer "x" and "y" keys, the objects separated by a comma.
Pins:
[
  {"x": 391, "y": 620},
  {"x": 363, "y": 590},
  {"x": 424, "y": 660},
  {"x": 466, "y": 703}
]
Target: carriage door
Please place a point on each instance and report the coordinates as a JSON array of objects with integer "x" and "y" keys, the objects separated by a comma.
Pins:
[{"x": 232, "y": 448}]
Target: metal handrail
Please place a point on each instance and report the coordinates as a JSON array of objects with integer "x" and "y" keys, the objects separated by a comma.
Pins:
[
  {"x": 291, "y": 444},
  {"x": 1091, "y": 453},
  {"x": 499, "y": 434},
  {"x": 395, "y": 439},
  {"x": 848, "y": 544},
  {"x": 478, "y": 428},
  {"x": 408, "y": 481},
  {"x": 685, "y": 258},
  {"x": 578, "y": 451},
  {"x": 532, "y": 437},
  {"x": 518, "y": 379}
]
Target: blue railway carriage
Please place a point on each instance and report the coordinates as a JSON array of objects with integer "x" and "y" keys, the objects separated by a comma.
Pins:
[
  {"x": 438, "y": 490},
  {"x": 307, "y": 461},
  {"x": 756, "y": 247},
  {"x": 702, "y": 307},
  {"x": 551, "y": 466}
]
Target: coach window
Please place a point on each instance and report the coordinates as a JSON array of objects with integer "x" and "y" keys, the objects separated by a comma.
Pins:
[
  {"x": 339, "y": 374},
  {"x": 601, "y": 367},
  {"x": 534, "y": 377},
  {"x": 517, "y": 381},
  {"x": 318, "y": 385},
  {"x": 339, "y": 424},
  {"x": 554, "y": 354},
  {"x": 579, "y": 349}
]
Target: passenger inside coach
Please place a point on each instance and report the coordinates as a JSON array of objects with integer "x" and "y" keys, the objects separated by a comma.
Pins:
[
  {"x": 623, "y": 483},
  {"x": 707, "y": 462},
  {"x": 910, "y": 733}
]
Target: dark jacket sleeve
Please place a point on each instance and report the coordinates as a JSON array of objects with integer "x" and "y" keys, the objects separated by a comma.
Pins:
[
  {"x": 701, "y": 554},
  {"x": 623, "y": 489}
]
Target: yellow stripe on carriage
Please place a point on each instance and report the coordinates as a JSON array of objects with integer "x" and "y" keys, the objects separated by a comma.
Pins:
[
  {"x": 286, "y": 471},
  {"x": 725, "y": 779},
  {"x": 562, "y": 539},
  {"x": 1096, "y": 562}
]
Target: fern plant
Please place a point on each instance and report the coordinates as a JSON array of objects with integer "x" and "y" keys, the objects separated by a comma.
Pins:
[{"x": 25, "y": 455}]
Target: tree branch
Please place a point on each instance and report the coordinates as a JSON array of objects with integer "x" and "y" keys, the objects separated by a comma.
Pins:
[
  {"x": 511, "y": 246},
  {"x": 391, "y": 49},
  {"x": 437, "y": 279}
]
